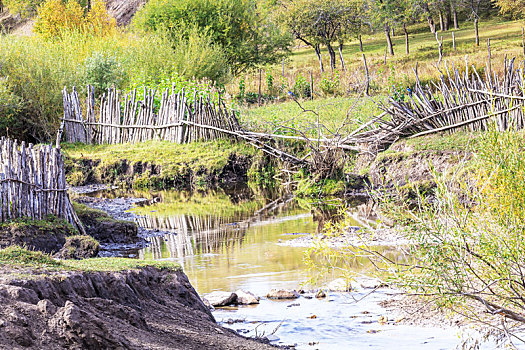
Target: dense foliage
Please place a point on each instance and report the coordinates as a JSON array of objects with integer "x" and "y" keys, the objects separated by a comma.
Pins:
[{"x": 241, "y": 28}]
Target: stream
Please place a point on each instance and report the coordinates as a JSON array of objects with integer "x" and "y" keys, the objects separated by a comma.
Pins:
[{"x": 233, "y": 240}]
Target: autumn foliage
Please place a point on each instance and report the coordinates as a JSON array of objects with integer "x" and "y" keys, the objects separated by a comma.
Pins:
[{"x": 57, "y": 16}]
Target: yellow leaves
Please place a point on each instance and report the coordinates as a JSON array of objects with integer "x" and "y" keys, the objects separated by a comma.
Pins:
[{"x": 56, "y": 16}]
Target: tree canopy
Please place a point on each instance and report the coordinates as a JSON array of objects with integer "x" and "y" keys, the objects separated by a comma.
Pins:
[{"x": 240, "y": 27}]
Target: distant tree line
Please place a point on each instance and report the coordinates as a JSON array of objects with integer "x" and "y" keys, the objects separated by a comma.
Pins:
[{"x": 332, "y": 23}]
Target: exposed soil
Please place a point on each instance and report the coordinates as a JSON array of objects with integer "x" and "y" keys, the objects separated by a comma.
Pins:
[
  {"x": 122, "y": 172},
  {"x": 139, "y": 309},
  {"x": 417, "y": 311},
  {"x": 46, "y": 237}
]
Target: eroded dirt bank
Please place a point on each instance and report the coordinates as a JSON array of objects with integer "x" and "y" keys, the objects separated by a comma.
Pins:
[{"x": 147, "y": 308}]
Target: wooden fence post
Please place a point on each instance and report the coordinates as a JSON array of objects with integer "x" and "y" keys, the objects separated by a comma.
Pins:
[{"x": 367, "y": 91}]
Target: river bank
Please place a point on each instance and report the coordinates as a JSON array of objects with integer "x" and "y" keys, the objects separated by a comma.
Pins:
[{"x": 104, "y": 304}]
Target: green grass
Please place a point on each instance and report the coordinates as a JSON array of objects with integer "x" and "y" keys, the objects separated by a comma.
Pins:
[
  {"x": 332, "y": 112},
  {"x": 50, "y": 223},
  {"x": 505, "y": 39},
  {"x": 175, "y": 161},
  {"x": 15, "y": 256},
  {"x": 172, "y": 157}
]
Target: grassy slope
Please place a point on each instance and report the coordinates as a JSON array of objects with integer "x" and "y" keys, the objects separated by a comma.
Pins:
[
  {"x": 175, "y": 160},
  {"x": 505, "y": 40},
  {"x": 332, "y": 113}
]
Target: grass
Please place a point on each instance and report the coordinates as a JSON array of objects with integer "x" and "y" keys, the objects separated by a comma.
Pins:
[
  {"x": 505, "y": 39},
  {"x": 50, "y": 223},
  {"x": 332, "y": 113},
  {"x": 175, "y": 161},
  {"x": 15, "y": 256}
]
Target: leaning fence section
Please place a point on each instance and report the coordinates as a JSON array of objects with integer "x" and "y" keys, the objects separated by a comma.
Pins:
[
  {"x": 33, "y": 183},
  {"x": 124, "y": 118},
  {"x": 461, "y": 100}
]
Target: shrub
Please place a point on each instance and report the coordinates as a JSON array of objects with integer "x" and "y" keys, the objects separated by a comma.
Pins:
[
  {"x": 239, "y": 27},
  {"x": 330, "y": 85},
  {"x": 102, "y": 72},
  {"x": 10, "y": 107},
  {"x": 56, "y": 16},
  {"x": 301, "y": 87}
]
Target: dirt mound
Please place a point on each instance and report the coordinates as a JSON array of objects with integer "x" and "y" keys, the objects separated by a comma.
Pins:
[{"x": 137, "y": 309}]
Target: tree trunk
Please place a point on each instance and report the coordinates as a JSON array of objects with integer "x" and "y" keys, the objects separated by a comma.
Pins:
[
  {"x": 441, "y": 22},
  {"x": 455, "y": 16},
  {"x": 431, "y": 24},
  {"x": 448, "y": 17},
  {"x": 476, "y": 31},
  {"x": 317, "y": 49},
  {"x": 343, "y": 65},
  {"x": 389, "y": 40},
  {"x": 407, "y": 49},
  {"x": 360, "y": 43},
  {"x": 331, "y": 52}
]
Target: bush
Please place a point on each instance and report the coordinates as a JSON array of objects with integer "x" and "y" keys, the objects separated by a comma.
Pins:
[
  {"x": 198, "y": 57},
  {"x": 103, "y": 72},
  {"x": 239, "y": 27},
  {"x": 301, "y": 87},
  {"x": 38, "y": 69},
  {"x": 55, "y": 17},
  {"x": 10, "y": 107}
]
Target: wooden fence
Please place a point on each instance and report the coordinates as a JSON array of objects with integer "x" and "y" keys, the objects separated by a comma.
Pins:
[
  {"x": 33, "y": 183},
  {"x": 463, "y": 99},
  {"x": 123, "y": 119}
]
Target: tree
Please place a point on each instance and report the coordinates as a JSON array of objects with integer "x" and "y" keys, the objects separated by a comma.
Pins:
[
  {"x": 387, "y": 13},
  {"x": 323, "y": 22},
  {"x": 515, "y": 8},
  {"x": 240, "y": 27}
]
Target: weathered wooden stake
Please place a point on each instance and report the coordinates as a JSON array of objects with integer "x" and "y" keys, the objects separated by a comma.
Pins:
[
  {"x": 453, "y": 41},
  {"x": 260, "y": 82},
  {"x": 367, "y": 91},
  {"x": 311, "y": 86}
]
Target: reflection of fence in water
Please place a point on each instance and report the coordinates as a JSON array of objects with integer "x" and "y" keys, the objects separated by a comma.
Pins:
[{"x": 193, "y": 234}]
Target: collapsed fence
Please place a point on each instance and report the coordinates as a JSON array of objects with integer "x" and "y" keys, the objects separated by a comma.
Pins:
[
  {"x": 33, "y": 183},
  {"x": 126, "y": 119},
  {"x": 460, "y": 100}
]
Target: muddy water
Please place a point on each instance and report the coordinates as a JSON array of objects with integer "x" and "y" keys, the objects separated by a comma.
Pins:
[{"x": 229, "y": 241}]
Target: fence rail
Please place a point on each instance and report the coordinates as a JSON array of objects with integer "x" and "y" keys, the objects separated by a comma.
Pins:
[
  {"x": 123, "y": 119},
  {"x": 33, "y": 183}
]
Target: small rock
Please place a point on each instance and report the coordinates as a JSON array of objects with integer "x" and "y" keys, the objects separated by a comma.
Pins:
[
  {"x": 338, "y": 285},
  {"x": 312, "y": 317},
  {"x": 220, "y": 298},
  {"x": 282, "y": 294},
  {"x": 272, "y": 337},
  {"x": 46, "y": 307},
  {"x": 382, "y": 320},
  {"x": 246, "y": 298},
  {"x": 292, "y": 305},
  {"x": 320, "y": 294},
  {"x": 371, "y": 283}
]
